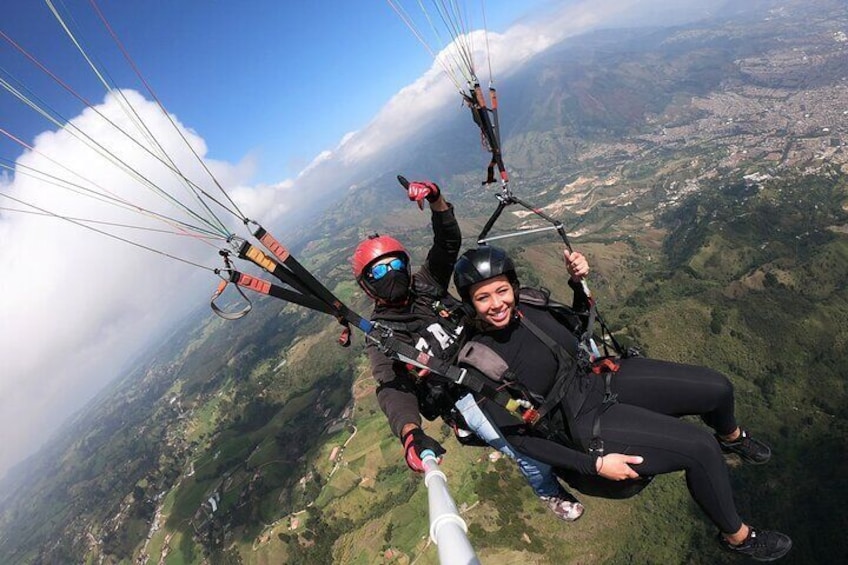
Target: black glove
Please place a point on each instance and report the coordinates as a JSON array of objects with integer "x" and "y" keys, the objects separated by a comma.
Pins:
[{"x": 414, "y": 443}]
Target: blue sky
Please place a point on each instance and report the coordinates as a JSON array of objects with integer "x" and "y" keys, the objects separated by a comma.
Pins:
[{"x": 281, "y": 81}]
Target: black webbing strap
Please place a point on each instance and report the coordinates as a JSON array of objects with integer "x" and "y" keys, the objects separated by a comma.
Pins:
[
  {"x": 255, "y": 255},
  {"x": 309, "y": 282},
  {"x": 497, "y": 157},
  {"x": 476, "y": 102},
  {"x": 596, "y": 443},
  {"x": 567, "y": 368},
  {"x": 264, "y": 287}
]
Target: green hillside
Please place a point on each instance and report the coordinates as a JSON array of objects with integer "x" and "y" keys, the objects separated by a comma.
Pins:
[{"x": 745, "y": 277}]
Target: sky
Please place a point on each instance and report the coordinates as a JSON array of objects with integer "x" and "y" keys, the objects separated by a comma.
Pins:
[{"x": 282, "y": 101}]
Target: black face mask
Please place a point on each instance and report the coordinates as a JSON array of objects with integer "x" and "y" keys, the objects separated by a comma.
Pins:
[{"x": 392, "y": 288}]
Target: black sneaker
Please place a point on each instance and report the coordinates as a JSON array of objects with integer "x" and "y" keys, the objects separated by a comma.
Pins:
[
  {"x": 761, "y": 545},
  {"x": 749, "y": 449}
]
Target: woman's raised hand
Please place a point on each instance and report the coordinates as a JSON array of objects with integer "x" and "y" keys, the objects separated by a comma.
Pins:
[{"x": 576, "y": 263}]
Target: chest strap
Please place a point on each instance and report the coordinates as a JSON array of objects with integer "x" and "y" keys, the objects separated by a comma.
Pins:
[{"x": 568, "y": 369}]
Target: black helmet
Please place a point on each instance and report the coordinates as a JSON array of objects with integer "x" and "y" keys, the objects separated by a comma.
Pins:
[{"x": 478, "y": 265}]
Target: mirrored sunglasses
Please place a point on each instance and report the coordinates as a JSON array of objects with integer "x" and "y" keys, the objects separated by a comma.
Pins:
[{"x": 380, "y": 270}]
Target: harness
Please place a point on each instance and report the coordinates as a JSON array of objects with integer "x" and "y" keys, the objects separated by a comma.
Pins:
[
  {"x": 432, "y": 323},
  {"x": 540, "y": 414},
  {"x": 568, "y": 369}
]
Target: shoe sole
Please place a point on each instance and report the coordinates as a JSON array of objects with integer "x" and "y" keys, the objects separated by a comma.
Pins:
[
  {"x": 733, "y": 459},
  {"x": 774, "y": 557}
]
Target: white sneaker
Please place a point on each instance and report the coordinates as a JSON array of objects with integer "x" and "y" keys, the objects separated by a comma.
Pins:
[{"x": 563, "y": 508}]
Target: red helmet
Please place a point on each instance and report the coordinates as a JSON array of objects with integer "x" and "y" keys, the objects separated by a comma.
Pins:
[{"x": 373, "y": 248}]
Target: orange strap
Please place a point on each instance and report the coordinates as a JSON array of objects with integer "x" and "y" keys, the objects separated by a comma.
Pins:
[{"x": 605, "y": 365}]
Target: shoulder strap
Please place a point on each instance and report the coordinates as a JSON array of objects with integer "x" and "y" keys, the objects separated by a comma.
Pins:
[
  {"x": 486, "y": 360},
  {"x": 541, "y": 298},
  {"x": 567, "y": 367},
  {"x": 604, "y": 366},
  {"x": 581, "y": 322},
  {"x": 534, "y": 296}
]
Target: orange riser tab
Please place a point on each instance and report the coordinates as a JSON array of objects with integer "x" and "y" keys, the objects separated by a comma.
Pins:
[
  {"x": 253, "y": 283},
  {"x": 261, "y": 259},
  {"x": 478, "y": 93},
  {"x": 275, "y": 247}
]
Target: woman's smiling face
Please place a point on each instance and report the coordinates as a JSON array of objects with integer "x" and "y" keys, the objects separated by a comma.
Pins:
[{"x": 494, "y": 301}]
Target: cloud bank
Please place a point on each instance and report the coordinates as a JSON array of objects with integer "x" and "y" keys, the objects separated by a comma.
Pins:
[{"x": 77, "y": 304}]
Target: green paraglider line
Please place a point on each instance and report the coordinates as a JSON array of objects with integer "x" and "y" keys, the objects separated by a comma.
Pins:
[
  {"x": 235, "y": 211},
  {"x": 84, "y": 224},
  {"x": 62, "y": 122}
]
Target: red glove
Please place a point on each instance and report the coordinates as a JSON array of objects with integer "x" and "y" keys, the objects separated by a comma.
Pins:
[
  {"x": 419, "y": 190},
  {"x": 420, "y": 373},
  {"x": 414, "y": 443}
]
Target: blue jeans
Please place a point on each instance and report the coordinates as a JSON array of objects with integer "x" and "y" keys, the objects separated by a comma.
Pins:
[{"x": 539, "y": 475}]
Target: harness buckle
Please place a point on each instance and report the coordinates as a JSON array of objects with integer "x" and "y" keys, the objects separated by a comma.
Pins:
[
  {"x": 596, "y": 447},
  {"x": 530, "y": 416},
  {"x": 383, "y": 335},
  {"x": 462, "y": 373}
]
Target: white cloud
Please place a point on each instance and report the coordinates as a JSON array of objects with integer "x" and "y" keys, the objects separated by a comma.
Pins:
[
  {"x": 321, "y": 158},
  {"x": 75, "y": 304},
  {"x": 265, "y": 202},
  {"x": 413, "y": 107}
]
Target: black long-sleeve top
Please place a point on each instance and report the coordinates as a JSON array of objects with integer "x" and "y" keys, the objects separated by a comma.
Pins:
[
  {"x": 418, "y": 324},
  {"x": 535, "y": 365}
]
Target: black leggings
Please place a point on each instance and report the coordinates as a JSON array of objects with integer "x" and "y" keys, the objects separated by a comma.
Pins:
[{"x": 651, "y": 394}]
